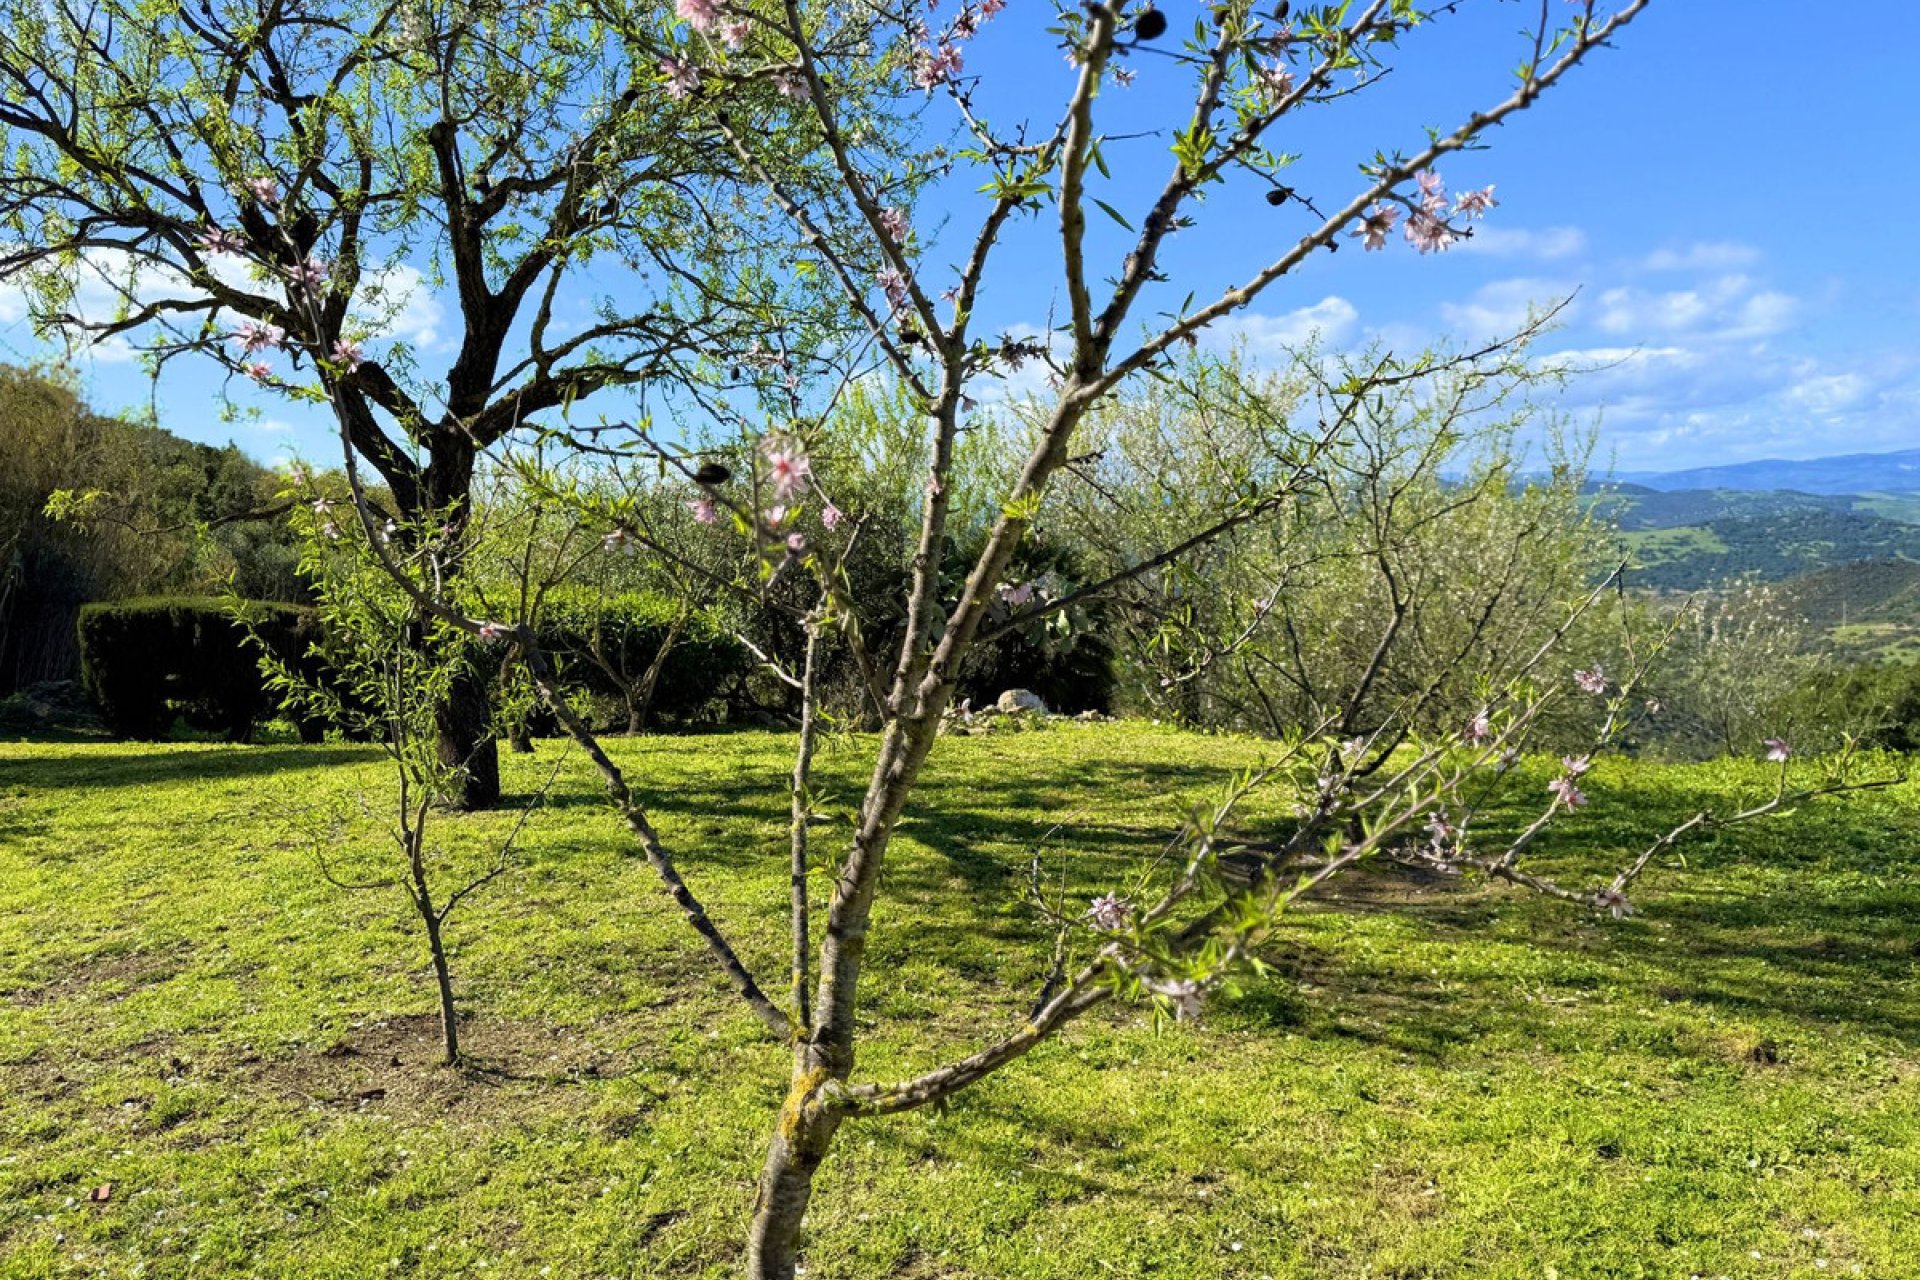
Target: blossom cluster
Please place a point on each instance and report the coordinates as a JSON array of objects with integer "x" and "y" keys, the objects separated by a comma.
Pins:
[
  {"x": 1428, "y": 228},
  {"x": 938, "y": 59}
]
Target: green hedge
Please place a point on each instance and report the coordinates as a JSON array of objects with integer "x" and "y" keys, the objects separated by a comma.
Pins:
[
  {"x": 703, "y": 667},
  {"x": 149, "y": 661}
]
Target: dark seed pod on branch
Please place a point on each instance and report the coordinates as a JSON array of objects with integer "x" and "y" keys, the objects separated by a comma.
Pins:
[
  {"x": 712, "y": 473},
  {"x": 1150, "y": 25}
]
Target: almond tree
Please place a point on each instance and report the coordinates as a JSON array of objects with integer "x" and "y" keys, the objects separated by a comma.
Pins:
[
  {"x": 1185, "y": 925},
  {"x": 269, "y": 184}
]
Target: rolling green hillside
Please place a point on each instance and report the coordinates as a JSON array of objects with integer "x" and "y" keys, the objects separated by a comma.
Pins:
[
  {"x": 1848, "y": 563},
  {"x": 1771, "y": 547}
]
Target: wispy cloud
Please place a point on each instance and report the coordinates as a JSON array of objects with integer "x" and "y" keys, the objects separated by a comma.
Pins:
[
  {"x": 1330, "y": 321},
  {"x": 1702, "y": 256},
  {"x": 1546, "y": 244},
  {"x": 1505, "y": 307},
  {"x": 1732, "y": 306}
]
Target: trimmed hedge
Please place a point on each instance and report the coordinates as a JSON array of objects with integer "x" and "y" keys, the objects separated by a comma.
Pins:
[
  {"x": 148, "y": 661},
  {"x": 703, "y": 667}
]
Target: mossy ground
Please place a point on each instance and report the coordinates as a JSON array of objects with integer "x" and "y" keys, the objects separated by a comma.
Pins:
[{"x": 1437, "y": 1081}]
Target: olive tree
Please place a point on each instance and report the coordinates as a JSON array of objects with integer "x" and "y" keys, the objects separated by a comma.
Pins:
[{"x": 272, "y": 184}]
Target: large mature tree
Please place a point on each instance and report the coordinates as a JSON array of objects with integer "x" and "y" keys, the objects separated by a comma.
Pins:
[{"x": 270, "y": 183}]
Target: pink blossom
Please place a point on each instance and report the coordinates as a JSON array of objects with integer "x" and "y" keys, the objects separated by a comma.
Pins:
[
  {"x": 220, "y": 240},
  {"x": 1017, "y": 596},
  {"x": 936, "y": 67},
  {"x": 773, "y": 515},
  {"x": 796, "y": 542},
  {"x": 1474, "y": 204},
  {"x": 788, "y": 467},
  {"x": 259, "y": 370},
  {"x": 1478, "y": 729},
  {"x": 682, "y": 77},
  {"x": 791, "y": 82},
  {"x": 894, "y": 284},
  {"x": 893, "y": 221},
  {"x": 255, "y": 337},
  {"x": 990, "y": 7},
  {"x": 310, "y": 275},
  {"x": 1576, "y": 765},
  {"x": 322, "y": 506},
  {"x": 348, "y": 354},
  {"x": 493, "y": 632},
  {"x": 1613, "y": 902},
  {"x": 1276, "y": 79},
  {"x": 1432, "y": 189},
  {"x": 1778, "y": 750},
  {"x": 1594, "y": 681},
  {"x": 1375, "y": 226},
  {"x": 701, "y": 15},
  {"x": 734, "y": 34},
  {"x": 1110, "y": 913},
  {"x": 330, "y": 531},
  {"x": 703, "y": 510},
  {"x": 1567, "y": 793},
  {"x": 1428, "y": 234},
  {"x": 264, "y": 190},
  {"x": 619, "y": 540},
  {"x": 1124, "y": 77},
  {"x": 831, "y": 516}
]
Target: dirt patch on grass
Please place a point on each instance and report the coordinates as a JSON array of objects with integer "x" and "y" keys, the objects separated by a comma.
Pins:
[
  {"x": 395, "y": 1065},
  {"x": 116, "y": 976}
]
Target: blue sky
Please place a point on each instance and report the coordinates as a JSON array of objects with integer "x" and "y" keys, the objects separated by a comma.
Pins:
[{"x": 1726, "y": 215}]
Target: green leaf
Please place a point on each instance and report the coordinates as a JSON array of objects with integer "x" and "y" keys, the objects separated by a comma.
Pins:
[{"x": 1113, "y": 213}]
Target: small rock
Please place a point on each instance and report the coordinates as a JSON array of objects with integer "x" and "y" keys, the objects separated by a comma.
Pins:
[{"x": 1014, "y": 701}]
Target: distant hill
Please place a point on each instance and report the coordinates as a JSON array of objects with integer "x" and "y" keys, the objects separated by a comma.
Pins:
[
  {"x": 1781, "y": 544},
  {"x": 1868, "y": 609},
  {"x": 1855, "y": 473},
  {"x": 1634, "y": 506}
]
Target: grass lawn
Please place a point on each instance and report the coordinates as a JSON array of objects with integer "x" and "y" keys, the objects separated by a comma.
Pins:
[{"x": 1436, "y": 1082}]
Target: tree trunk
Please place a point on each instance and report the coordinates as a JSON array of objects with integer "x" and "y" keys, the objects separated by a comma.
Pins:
[
  {"x": 465, "y": 722},
  {"x": 467, "y": 743},
  {"x": 443, "y": 976},
  {"x": 800, "y": 1143}
]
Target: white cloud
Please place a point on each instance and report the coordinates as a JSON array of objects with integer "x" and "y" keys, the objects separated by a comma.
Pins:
[
  {"x": 1330, "y": 320},
  {"x": 1504, "y": 307},
  {"x": 1548, "y": 244},
  {"x": 1704, "y": 256},
  {"x": 397, "y": 304},
  {"x": 1728, "y": 306},
  {"x": 1829, "y": 394}
]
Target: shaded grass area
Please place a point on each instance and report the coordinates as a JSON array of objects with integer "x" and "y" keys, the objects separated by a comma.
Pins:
[{"x": 1436, "y": 1081}]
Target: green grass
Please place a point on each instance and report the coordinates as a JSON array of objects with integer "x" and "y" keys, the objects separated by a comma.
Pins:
[{"x": 1436, "y": 1082}]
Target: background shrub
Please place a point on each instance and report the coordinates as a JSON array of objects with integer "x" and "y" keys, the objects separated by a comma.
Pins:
[
  {"x": 606, "y": 643},
  {"x": 147, "y": 662}
]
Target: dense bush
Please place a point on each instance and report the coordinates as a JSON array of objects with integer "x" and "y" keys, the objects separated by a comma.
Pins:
[
  {"x": 148, "y": 661},
  {"x": 607, "y": 646},
  {"x": 1878, "y": 703},
  {"x": 142, "y": 513}
]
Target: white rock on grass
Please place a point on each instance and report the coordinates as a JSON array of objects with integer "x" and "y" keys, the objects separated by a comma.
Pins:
[{"x": 1018, "y": 700}]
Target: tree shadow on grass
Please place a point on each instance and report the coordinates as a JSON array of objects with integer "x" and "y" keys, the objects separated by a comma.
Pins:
[{"x": 118, "y": 770}]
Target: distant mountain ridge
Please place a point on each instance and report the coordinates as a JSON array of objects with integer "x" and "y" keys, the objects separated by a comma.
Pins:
[{"x": 1851, "y": 473}]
